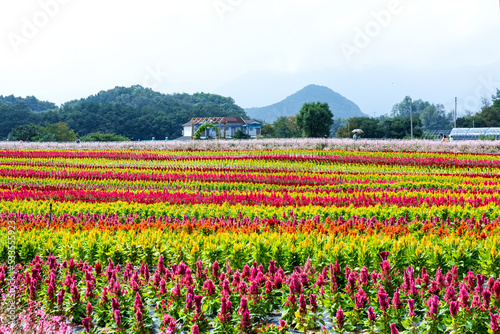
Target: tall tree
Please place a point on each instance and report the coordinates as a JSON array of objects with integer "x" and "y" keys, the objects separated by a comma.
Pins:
[
  {"x": 434, "y": 117},
  {"x": 314, "y": 119}
]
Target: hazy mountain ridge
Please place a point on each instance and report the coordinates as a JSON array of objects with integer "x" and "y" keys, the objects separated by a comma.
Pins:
[{"x": 290, "y": 106}]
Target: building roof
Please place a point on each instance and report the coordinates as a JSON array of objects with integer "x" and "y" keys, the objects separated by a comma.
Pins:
[
  {"x": 250, "y": 121},
  {"x": 216, "y": 120},
  {"x": 475, "y": 132}
]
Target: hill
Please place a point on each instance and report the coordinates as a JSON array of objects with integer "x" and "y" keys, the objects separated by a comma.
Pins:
[
  {"x": 134, "y": 112},
  {"x": 339, "y": 105},
  {"x": 31, "y": 102}
]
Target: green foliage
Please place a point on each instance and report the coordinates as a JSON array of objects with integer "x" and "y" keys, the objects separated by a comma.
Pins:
[
  {"x": 240, "y": 134},
  {"x": 485, "y": 137},
  {"x": 14, "y": 115},
  {"x": 59, "y": 132},
  {"x": 104, "y": 137},
  {"x": 488, "y": 117},
  {"x": 133, "y": 112},
  {"x": 399, "y": 127},
  {"x": 202, "y": 129},
  {"x": 28, "y": 132},
  {"x": 372, "y": 127},
  {"x": 31, "y": 102},
  {"x": 314, "y": 119}
]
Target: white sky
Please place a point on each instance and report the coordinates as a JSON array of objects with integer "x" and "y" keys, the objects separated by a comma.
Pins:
[{"x": 80, "y": 47}]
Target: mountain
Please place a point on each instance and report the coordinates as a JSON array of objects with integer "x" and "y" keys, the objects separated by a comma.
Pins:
[{"x": 340, "y": 106}]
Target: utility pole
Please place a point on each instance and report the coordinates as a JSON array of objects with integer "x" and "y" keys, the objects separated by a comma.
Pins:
[
  {"x": 455, "y": 112},
  {"x": 411, "y": 119}
]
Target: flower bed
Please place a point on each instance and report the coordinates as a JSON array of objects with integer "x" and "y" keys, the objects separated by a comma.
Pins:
[{"x": 230, "y": 240}]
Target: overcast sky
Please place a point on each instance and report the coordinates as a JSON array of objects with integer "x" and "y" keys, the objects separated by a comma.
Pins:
[{"x": 59, "y": 50}]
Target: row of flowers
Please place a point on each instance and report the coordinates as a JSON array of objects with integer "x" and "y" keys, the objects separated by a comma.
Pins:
[
  {"x": 467, "y": 244},
  {"x": 241, "y": 300},
  {"x": 359, "y": 199},
  {"x": 371, "y": 159}
]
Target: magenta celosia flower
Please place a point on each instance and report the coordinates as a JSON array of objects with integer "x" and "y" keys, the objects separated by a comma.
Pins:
[
  {"x": 215, "y": 270},
  {"x": 198, "y": 304},
  {"x": 225, "y": 310},
  {"x": 176, "y": 290},
  {"x": 139, "y": 317},
  {"x": 453, "y": 308},
  {"x": 302, "y": 304},
  {"x": 450, "y": 294},
  {"x": 476, "y": 301},
  {"x": 486, "y": 299},
  {"x": 495, "y": 290},
  {"x": 86, "y": 324},
  {"x": 195, "y": 329},
  {"x": 60, "y": 297},
  {"x": 371, "y": 314},
  {"x": 291, "y": 298},
  {"x": 114, "y": 304},
  {"x": 340, "y": 318},
  {"x": 272, "y": 267},
  {"x": 283, "y": 324},
  {"x": 74, "y": 293},
  {"x": 313, "y": 302},
  {"x": 89, "y": 309},
  {"x": 189, "y": 301},
  {"x": 242, "y": 288},
  {"x": 118, "y": 318},
  {"x": 394, "y": 329},
  {"x": 245, "y": 320},
  {"x": 360, "y": 299},
  {"x": 243, "y": 305},
  {"x": 226, "y": 290},
  {"x": 433, "y": 306},
  {"x": 384, "y": 255},
  {"x": 161, "y": 266},
  {"x": 269, "y": 287},
  {"x": 347, "y": 272},
  {"x": 364, "y": 276},
  {"x": 411, "y": 308},
  {"x": 464, "y": 297},
  {"x": 254, "y": 288},
  {"x": 382, "y": 300},
  {"x": 494, "y": 323},
  {"x": 396, "y": 301},
  {"x": 209, "y": 287}
]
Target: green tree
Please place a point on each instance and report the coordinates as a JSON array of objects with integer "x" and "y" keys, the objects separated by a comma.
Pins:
[
  {"x": 400, "y": 127},
  {"x": 59, "y": 132},
  {"x": 267, "y": 131},
  {"x": 103, "y": 137},
  {"x": 28, "y": 132},
  {"x": 314, "y": 119},
  {"x": 372, "y": 128},
  {"x": 286, "y": 127},
  {"x": 434, "y": 117},
  {"x": 402, "y": 109}
]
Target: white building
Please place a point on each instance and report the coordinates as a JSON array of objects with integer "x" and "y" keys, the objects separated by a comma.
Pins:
[{"x": 227, "y": 127}]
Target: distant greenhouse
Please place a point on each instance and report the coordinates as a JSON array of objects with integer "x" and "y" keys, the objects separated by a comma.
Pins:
[{"x": 475, "y": 133}]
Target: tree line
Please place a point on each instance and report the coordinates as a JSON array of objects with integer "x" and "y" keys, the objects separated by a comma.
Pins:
[{"x": 127, "y": 112}]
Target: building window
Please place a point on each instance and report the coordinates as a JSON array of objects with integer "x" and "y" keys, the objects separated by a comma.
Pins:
[{"x": 258, "y": 131}]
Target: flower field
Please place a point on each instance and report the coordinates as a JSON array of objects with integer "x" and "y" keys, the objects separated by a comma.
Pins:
[{"x": 228, "y": 240}]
